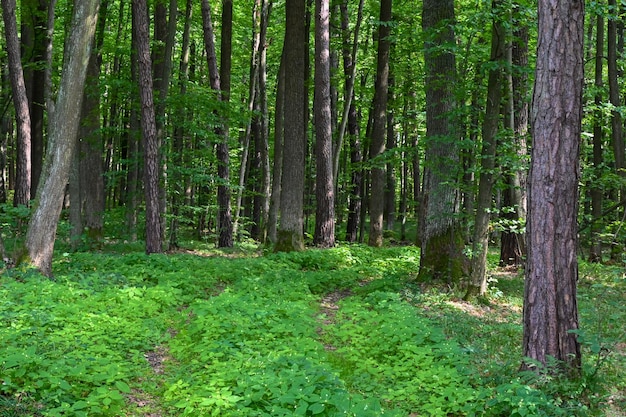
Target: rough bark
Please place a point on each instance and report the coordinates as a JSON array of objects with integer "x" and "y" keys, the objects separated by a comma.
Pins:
[
  {"x": 324, "y": 235},
  {"x": 442, "y": 235},
  {"x": 63, "y": 129},
  {"x": 148, "y": 128},
  {"x": 290, "y": 234},
  {"x": 20, "y": 101},
  {"x": 550, "y": 307},
  {"x": 379, "y": 127}
]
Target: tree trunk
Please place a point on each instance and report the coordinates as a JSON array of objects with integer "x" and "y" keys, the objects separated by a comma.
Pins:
[
  {"x": 279, "y": 131},
  {"x": 149, "y": 130},
  {"x": 550, "y": 307},
  {"x": 290, "y": 235},
  {"x": 442, "y": 235},
  {"x": 225, "y": 238},
  {"x": 595, "y": 250},
  {"x": 35, "y": 42},
  {"x": 178, "y": 148},
  {"x": 513, "y": 241},
  {"x": 324, "y": 235},
  {"x": 379, "y": 127},
  {"x": 480, "y": 242},
  {"x": 20, "y": 101},
  {"x": 63, "y": 130},
  {"x": 389, "y": 214}
]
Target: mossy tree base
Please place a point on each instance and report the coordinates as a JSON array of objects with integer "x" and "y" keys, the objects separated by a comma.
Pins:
[
  {"x": 443, "y": 259},
  {"x": 289, "y": 241}
]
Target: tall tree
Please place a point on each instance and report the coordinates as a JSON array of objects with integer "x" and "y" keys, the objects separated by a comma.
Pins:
[
  {"x": 324, "y": 190},
  {"x": 35, "y": 41},
  {"x": 20, "y": 100},
  {"x": 63, "y": 130},
  {"x": 225, "y": 221},
  {"x": 148, "y": 127},
  {"x": 595, "y": 251},
  {"x": 441, "y": 235},
  {"x": 513, "y": 240},
  {"x": 480, "y": 242},
  {"x": 224, "y": 217},
  {"x": 550, "y": 307},
  {"x": 290, "y": 234},
  {"x": 379, "y": 126}
]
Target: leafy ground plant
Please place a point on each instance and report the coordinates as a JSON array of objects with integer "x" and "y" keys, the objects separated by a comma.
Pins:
[{"x": 339, "y": 332}]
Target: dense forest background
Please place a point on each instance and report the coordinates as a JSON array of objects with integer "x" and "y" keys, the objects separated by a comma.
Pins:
[
  {"x": 230, "y": 145},
  {"x": 439, "y": 129}
]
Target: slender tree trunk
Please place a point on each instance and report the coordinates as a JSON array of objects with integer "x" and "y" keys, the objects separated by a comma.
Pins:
[
  {"x": 513, "y": 242},
  {"x": 63, "y": 130},
  {"x": 550, "y": 307},
  {"x": 389, "y": 214},
  {"x": 290, "y": 234},
  {"x": 279, "y": 131},
  {"x": 324, "y": 235},
  {"x": 595, "y": 251},
  {"x": 442, "y": 238},
  {"x": 379, "y": 127},
  {"x": 149, "y": 129},
  {"x": 178, "y": 150},
  {"x": 20, "y": 101},
  {"x": 225, "y": 238},
  {"x": 480, "y": 242}
]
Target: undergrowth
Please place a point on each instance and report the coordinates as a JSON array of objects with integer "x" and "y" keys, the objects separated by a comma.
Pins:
[{"x": 238, "y": 334}]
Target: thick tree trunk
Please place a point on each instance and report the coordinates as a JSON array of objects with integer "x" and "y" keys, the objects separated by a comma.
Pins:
[
  {"x": 290, "y": 234},
  {"x": 63, "y": 130},
  {"x": 442, "y": 236},
  {"x": 550, "y": 307},
  {"x": 379, "y": 127},
  {"x": 149, "y": 130},
  {"x": 324, "y": 235},
  {"x": 20, "y": 101}
]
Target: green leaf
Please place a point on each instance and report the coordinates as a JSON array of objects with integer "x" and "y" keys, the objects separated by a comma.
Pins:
[{"x": 122, "y": 386}]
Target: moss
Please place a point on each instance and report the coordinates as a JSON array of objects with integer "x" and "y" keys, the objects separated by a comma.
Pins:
[
  {"x": 288, "y": 241},
  {"x": 443, "y": 259}
]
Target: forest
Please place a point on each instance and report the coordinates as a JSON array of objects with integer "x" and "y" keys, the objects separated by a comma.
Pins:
[{"x": 312, "y": 207}]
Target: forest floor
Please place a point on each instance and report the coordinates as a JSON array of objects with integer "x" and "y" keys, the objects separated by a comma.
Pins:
[{"x": 346, "y": 331}]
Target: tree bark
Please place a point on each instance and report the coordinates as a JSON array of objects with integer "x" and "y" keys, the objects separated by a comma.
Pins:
[
  {"x": 290, "y": 234},
  {"x": 225, "y": 226},
  {"x": 279, "y": 131},
  {"x": 324, "y": 235},
  {"x": 550, "y": 307},
  {"x": 442, "y": 235},
  {"x": 20, "y": 101},
  {"x": 149, "y": 130},
  {"x": 62, "y": 141},
  {"x": 379, "y": 127}
]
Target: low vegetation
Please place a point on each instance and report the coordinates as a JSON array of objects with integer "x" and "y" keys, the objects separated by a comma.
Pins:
[{"x": 340, "y": 332}]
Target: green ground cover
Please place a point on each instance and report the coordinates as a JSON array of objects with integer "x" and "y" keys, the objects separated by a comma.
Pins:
[{"x": 339, "y": 332}]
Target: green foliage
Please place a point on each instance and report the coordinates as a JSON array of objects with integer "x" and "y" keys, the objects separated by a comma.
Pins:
[{"x": 338, "y": 332}]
